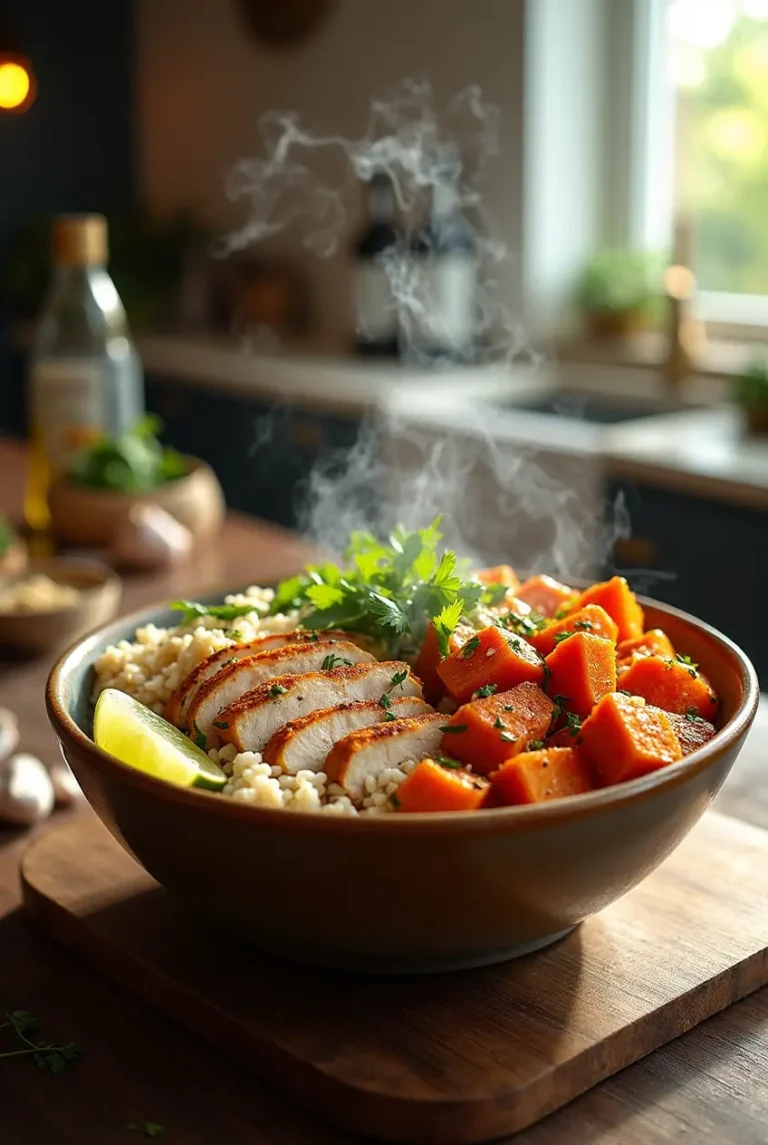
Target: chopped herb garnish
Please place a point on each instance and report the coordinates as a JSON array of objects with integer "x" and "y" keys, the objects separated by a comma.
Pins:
[
  {"x": 493, "y": 594},
  {"x": 385, "y": 701},
  {"x": 561, "y": 636},
  {"x": 48, "y": 1056},
  {"x": 536, "y": 745},
  {"x": 453, "y": 729},
  {"x": 388, "y": 590},
  {"x": 191, "y": 610},
  {"x": 573, "y": 724},
  {"x": 201, "y": 740},
  {"x": 507, "y": 738},
  {"x": 399, "y": 677},
  {"x": 394, "y": 800},
  {"x": 692, "y": 714},
  {"x": 446, "y": 761},
  {"x": 584, "y": 625},
  {"x": 509, "y": 707},
  {"x": 689, "y": 664},
  {"x": 331, "y": 662},
  {"x": 220, "y": 724},
  {"x": 471, "y": 646},
  {"x": 485, "y": 691},
  {"x": 560, "y": 703},
  {"x": 515, "y": 644},
  {"x": 277, "y": 690},
  {"x": 389, "y": 717},
  {"x": 563, "y": 611},
  {"x": 623, "y": 692},
  {"x": 235, "y": 634},
  {"x": 499, "y": 723},
  {"x": 232, "y": 660},
  {"x": 522, "y": 625},
  {"x": 547, "y": 673}
]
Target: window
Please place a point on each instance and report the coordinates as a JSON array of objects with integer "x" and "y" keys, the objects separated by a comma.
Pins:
[{"x": 717, "y": 64}]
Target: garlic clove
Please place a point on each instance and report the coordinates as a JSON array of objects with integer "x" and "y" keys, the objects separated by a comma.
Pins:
[
  {"x": 26, "y": 791},
  {"x": 9, "y": 732},
  {"x": 66, "y": 789},
  {"x": 150, "y": 538}
]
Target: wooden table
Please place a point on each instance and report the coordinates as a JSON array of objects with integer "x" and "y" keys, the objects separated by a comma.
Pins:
[{"x": 709, "y": 1086}]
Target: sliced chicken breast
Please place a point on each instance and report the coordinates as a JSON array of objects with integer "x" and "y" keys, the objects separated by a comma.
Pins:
[
  {"x": 370, "y": 751},
  {"x": 176, "y": 708},
  {"x": 230, "y": 683},
  {"x": 178, "y": 705},
  {"x": 303, "y": 744},
  {"x": 253, "y": 719}
]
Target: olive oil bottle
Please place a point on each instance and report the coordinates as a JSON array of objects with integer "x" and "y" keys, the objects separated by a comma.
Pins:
[{"x": 85, "y": 377}]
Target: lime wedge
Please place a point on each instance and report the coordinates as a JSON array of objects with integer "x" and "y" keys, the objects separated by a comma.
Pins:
[{"x": 136, "y": 736}]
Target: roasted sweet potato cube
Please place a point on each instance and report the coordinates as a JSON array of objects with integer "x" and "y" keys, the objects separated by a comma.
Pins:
[
  {"x": 582, "y": 668},
  {"x": 619, "y": 601},
  {"x": 592, "y": 619},
  {"x": 433, "y": 786},
  {"x": 624, "y": 738},
  {"x": 491, "y": 657},
  {"x": 537, "y": 776},
  {"x": 430, "y": 656},
  {"x": 546, "y": 595},
  {"x": 691, "y": 730},
  {"x": 499, "y": 574},
  {"x": 486, "y": 732},
  {"x": 674, "y": 685},
  {"x": 651, "y": 643}
]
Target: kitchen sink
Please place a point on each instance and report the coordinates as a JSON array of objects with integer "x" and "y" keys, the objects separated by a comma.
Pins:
[{"x": 595, "y": 409}]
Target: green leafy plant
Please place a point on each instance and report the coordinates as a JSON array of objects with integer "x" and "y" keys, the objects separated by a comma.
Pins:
[
  {"x": 619, "y": 281},
  {"x": 50, "y": 1057},
  {"x": 7, "y": 535},
  {"x": 751, "y": 387},
  {"x": 132, "y": 462}
]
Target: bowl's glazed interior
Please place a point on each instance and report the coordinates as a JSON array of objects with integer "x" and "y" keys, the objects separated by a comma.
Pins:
[{"x": 404, "y": 892}]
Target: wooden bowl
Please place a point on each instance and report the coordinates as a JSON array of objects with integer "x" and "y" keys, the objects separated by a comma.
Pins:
[
  {"x": 34, "y": 633},
  {"x": 88, "y": 518},
  {"x": 404, "y": 892}
]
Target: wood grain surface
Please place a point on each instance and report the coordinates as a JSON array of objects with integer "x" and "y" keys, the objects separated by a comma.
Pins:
[
  {"x": 706, "y": 1088},
  {"x": 454, "y": 1058}
]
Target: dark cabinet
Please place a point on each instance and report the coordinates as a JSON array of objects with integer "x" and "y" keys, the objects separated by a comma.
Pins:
[
  {"x": 263, "y": 453},
  {"x": 706, "y": 557}
]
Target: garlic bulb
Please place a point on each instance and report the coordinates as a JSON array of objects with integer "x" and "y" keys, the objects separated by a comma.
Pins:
[
  {"x": 26, "y": 791},
  {"x": 66, "y": 789},
  {"x": 150, "y": 538}
]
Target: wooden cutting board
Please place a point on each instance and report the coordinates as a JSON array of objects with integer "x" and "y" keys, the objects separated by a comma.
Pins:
[{"x": 453, "y": 1058}]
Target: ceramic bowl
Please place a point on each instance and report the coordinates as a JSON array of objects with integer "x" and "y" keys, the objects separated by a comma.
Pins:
[
  {"x": 404, "y": 892},
  {"x": 34, "y": 633},
  {"x": 89, "y": 518}
]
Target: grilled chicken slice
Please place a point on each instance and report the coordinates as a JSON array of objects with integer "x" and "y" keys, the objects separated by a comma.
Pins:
[
  {"x": 176, "y": 708},
  {"x": 232, "y": 682},
  {"x": 254, "y": 718},
  {"x": 178, "y": 705},
  {"x": 369, "y": 751},
  {"x": 304, "y": 743}
]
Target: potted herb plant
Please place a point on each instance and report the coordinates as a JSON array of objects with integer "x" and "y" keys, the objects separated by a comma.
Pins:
[
  {"x": 618, "y": 290},
  {"x": 107, "y": 480},
  {"x": 751, "y": 393},
  {"x": 13, "y": 551}
]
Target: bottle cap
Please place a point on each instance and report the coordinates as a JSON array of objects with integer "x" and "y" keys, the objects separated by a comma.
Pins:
[{"x": 80, "y": 240}]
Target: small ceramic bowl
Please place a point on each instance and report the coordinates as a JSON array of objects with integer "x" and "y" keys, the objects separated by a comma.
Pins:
[
  {"x": 404, "y": 892},
  {"x": 34, "y": 633},
  {"x": 89, "y": 518}
]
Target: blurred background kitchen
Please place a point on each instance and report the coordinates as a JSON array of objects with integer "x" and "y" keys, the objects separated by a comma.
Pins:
[{"x": 551, "y": 323}]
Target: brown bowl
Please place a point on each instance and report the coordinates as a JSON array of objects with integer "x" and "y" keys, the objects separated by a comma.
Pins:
[
  {"x": 89, "y": 518},
  {"x": 404, "y": 892},
  {"x": 34, "y": 633}
]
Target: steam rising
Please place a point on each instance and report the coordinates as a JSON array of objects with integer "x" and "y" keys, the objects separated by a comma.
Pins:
[{"x": 499, "y": 503}]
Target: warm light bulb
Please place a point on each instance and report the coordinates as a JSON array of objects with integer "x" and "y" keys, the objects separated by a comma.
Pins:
[{"x": 15, "y": 85}]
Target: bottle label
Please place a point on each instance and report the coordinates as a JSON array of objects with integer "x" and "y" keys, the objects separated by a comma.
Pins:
[
  {"x": 375, "y": 315},
  {"x": 445, "y": 317},
  {"x": 67, "y": 407}
]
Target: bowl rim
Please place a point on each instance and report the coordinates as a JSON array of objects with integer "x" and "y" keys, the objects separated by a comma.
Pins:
[
  {"x": 519, "y": 817},
  {"x": 104, "y": 579}
]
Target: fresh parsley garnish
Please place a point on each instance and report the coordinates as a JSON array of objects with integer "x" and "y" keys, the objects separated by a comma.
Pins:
[
  {"x": 689, "y": 664},
  {"x": 499, "y": 723},
  {"x": 389, "y": 590},
  {"x": 399, "y": 678},
  {"x": 507, "y": 738},
  {"x": 561, "y": 636},
  {"x": 201, "y": 740},
  {"x": 331, "y": 662},
  {"x": 277, "y": 690},
  {"x": 453, "y": 729},
  {"x": 563, "y": 611},
  {"x": 536, "y": 745},
  {"x": 509, "y": 707},
  {"x": 484, "y": 692},
  {"x": 623, "y": 692},
  {"x": 515, "y": 644},
  {"x": 584, "y": 625},
  {"x": 573, "y": 724},
  {"x": 560, "y": 702},
  {"x": 235, "y": 634},
  {"x": 389, "y": 717},
  {"x": 50, "y": 1057},
  {"x": 493, "y": 594},
  {"x": 692, "y": 714},
  {"x": 220, "y": 724},
  {"x": 446, "y": 761},
  {"x": 385, "y": 701},
  {"x": 522, "y": 625},
  {"x": 470, "y": 647},
  {"x": 191, "y": 609}
]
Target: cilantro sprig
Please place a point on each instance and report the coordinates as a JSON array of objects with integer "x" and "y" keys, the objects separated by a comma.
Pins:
[
  {"x": 388, "y": 591},
  {"x": 50, "y": 1057},
  {"x": 192, "y": 610}
]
